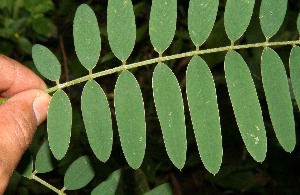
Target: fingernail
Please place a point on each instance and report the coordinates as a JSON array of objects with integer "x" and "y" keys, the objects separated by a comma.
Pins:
[{"x": 40, "y": 107}]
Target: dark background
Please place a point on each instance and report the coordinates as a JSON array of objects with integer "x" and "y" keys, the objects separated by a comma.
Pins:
[{"x": 49, "y": 23}]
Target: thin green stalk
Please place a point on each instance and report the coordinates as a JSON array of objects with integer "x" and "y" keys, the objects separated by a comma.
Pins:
[
  {"x": 2, "y": 100},
  {"x": 51, "y": 187},
  {"x": 167, "y": 58},
  {"x": 162, "y": 59}
]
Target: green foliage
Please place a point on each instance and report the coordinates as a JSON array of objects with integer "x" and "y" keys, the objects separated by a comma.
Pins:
[
  {"x": 36, "y": 7},
  {"x": 237, "y": 17},
  {"x": 79, "y": 174},
  {"x": 162, "y": 189},
  {"x": 46, "y": 62},
  {"x": 278, "y": 97},
  {"x": 202, "y": 99},
  {"x": 295, "y": 70},
  {"x": 86, "y": 37},
  {"x": 120, "y": 18},
  {"x": 97, "y": 120},
  {"x": 59, "y": 124},
  {"x": 201, "y": 18},
  {"x": 271, "y": 16},
  {"x": 246, "y": 107},
  {"x": 130, "y": 115},
  {"x": 169, "y": 107},
  {"x": 109, "y": 186},
  {"x": 127, "y": 110},
  {"x": 22, "y": 21},
  {"x": 162, "y": 24},
  {"x": 44, "y": 159}
]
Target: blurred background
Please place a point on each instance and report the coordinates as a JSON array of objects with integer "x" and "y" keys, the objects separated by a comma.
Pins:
[{"x": 24, "y": 23}]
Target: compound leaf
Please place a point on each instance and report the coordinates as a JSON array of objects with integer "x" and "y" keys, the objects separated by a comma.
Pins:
[
  {"x": 246, "y": 106},
  {"x": 130, "y": 115},
  {"x": 237, "y": 17},
  {"x": 201, "y": 18},
  {"x": 59, "y": 124},
  {"x": 169, "y": 107},
  {"x": 97, "y": 120},
  {"x": 109, "y": 186},
  {"x": 121, "y": 27},
  {"x": 79, "y": 174},
  {"x": 164, "y": 189},
  {"x": 46, "y": 62},
  {"x": 271, "y": 16},
  {"x": 295, "y": 72},
  {"x": 44, "y": 160},
  {"x": 87, "y": 39},
  {"x": 162, "y": 24},
  {"x": 277, "y": 93},
  {"x": 202, "y": 100}
]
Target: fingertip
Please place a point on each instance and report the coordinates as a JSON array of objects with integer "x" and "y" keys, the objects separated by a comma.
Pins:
[{"x": 40, "y": 107}]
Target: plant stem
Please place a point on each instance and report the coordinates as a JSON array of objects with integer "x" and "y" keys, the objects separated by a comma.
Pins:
[
  {"x": 167, "y": 58},
  {"x": 36, "y": 178},
  {"x": 2, "y": 100}
]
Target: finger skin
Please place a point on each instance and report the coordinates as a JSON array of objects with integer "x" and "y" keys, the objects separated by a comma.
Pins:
[
  {"x": 18, "y": 123},
  {"x": 20, "y": 115},
  {"x": 15, "y": 78}
]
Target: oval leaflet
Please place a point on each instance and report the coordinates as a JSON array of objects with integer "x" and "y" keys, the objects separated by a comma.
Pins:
[
  {"x": 202, "y": 100},
  {"x": 169, "y": 107},
  {"x": 121, "y": 28},
  {"x": 132, "y": 127},
  {"x": 277, "y": 93},
  {"x": 246, "y": 108},
  {"x": 46, "y": 62},
  {"x": 86, "y": 33},
  {"x": 97, "y": 120},
  {"x": 59, "y": 124}
]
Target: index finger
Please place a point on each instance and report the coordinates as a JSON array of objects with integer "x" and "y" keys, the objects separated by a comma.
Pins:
[{"x": 15, "y": 78}]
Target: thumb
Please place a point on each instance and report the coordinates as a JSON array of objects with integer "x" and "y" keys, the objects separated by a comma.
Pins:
[{"x": 19, "y": 118}]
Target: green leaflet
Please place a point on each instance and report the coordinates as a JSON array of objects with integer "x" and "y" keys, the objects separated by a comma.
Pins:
[
  {"x": 162, "y": 23},
  {"x": 295, "y": 72},
  {"x": 201, "y": 95},
  {"x": 46, "y": 62},
  {"x": 237, "y": 17},
  {"x": 79, "y": 174},
  {"x": 26, "y": 165},
  {"x": 278, "y": 98},
  {"x": 164, "y": 189},
  {"x": 97, "y": 120},
  {"x": 59, "y": 124},
  {"x": 109, "y": 186},
  {"x": 44, "y": 160},
  {"x": 246, "y": 106},
  {"x": 271, "y": 16},
  {"x": 130, "y": 115},
  {"x": 201, "y": 19},
  {"x": 87, "y": 39},
  {"x": 169, "y": 107},
  {"x": 121, "y": 28},
  {"x": 28, "y": 170}
]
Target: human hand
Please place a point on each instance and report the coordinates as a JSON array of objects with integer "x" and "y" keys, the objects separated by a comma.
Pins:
[{"x": 25, "y": 109}]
